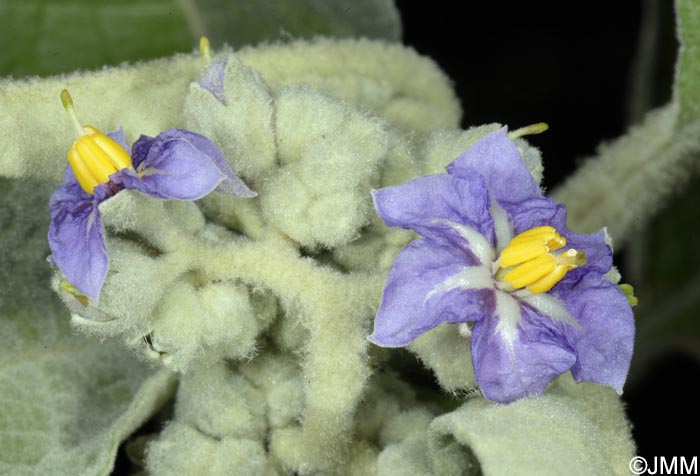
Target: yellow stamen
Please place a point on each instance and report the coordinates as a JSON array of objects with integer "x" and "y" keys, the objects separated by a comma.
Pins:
[
  {"x": 537, "y": 128},
  {"x": 528, "y": 261},
  {"x": 540, "y": 231},
  {"x": 563, "y": 263},
  {"x": 547, "y": 282},
  {"x": 116, "y": 153},
  {"x": 521, "y": 252},
  {"x": 530, "y": 271},
  {"x": 93, "y": 156},
  {"x": 98, "y": 168},
  {"x": 70, "y": 289},
  {"x": 530, "y": 244},
  {"x": 205, "y": 49}
]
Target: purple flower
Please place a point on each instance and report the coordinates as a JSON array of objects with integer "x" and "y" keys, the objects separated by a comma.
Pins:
[
  {"x": 497, "y": 254},
  {"x": 177, "y": 164}
]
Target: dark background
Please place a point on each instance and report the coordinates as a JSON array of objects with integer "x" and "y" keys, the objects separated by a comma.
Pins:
[
  {"x": 568, "y": 64},
  {"x": 524, "y": 62}
]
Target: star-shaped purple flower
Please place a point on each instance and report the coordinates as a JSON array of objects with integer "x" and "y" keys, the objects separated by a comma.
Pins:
[
  {"x": 520, "y": 339},
  {"x": 176, "y": 164}
]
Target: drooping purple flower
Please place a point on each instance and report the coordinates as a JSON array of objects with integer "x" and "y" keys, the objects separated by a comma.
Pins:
[
  {"x": 176, "y": 164},
  {"x": 495, "y": 253}
]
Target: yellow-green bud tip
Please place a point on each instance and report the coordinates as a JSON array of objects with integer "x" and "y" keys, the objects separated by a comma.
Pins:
[
  {"x": 66, "y": 99},
  {"x": 205, "y": 49},
  {"x": 628, "y": 290},
  {"x": 537, "y": 128},
  {"x": 67, "y": 102}
]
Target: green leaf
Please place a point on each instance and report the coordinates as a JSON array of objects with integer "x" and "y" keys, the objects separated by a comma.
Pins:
[
  {"x": 67, "y": 401},
  {"x": 52, "y": 36},
  {"x": 572, "y": 429},
  {"x": 687, "y": 87},
  {"x": 47, "y": 37},
  {"x": 244, "y": 22}
]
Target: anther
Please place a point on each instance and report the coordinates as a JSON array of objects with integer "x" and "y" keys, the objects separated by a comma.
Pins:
[
  {"x": 93, "y": 156},
  {"x": 530, "y": 244},
  {"x": 532, "y": 260}
]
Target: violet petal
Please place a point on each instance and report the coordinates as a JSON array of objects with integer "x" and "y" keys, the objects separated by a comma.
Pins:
[
  {"x": 598, "y": 253},
  {"x": 139, "y": 150},
  {"x": 76, "y": 239},
  {"x": 170, "y": 167},
  {"x": 513, "y": 360},
  {"x": 605, "y": 339},
  {"x": 496, "y": 158},
  {"x": 426, "y": 204},
  {"x": 533, "y": 213},
  {"x": 420, "y": 294},
  {"x": 231, "y": 185},
  {"x": 182, "y": 165}
]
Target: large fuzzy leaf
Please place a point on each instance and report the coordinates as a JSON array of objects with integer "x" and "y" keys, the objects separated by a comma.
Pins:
[
  {"x": 572, "y": 429},
  {"x": 67, "y": 400}
]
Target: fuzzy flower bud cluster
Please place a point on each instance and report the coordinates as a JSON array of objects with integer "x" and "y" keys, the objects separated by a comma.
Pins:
[{"x": 247, "y": 251}]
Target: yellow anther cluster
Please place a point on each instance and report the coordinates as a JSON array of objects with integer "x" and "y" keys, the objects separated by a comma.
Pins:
[
  {"x": 528, "y": 261},
  {"x": 93, "y": 156},
  {"x": 530, "y": 244}
]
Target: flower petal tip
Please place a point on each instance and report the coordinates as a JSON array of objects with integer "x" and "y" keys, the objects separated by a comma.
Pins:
[
  {"x": 387, "y": 342},
  {"x": 232, "y": 185}
]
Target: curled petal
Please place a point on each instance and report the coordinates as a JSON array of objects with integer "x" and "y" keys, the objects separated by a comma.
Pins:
[
  {"x": 430, "y": 283},
  {"x": 426, "y": 205},
  {"x": 182, "y": 165},
  {"x": 231, "y": 184},
  {"x": 518, "y": 354},
  {"x": 139, "y": 150},
  {"x": 533, "y": 213},
  {"x": 76, "y": 239},
  {"x": 598, "y": 252},
  {"x": 496, "y": 158},
  {"x": 605, "y": 338}
]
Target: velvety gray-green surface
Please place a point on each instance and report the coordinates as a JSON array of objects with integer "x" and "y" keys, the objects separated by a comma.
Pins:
[{"x": 67, "y": 400}]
